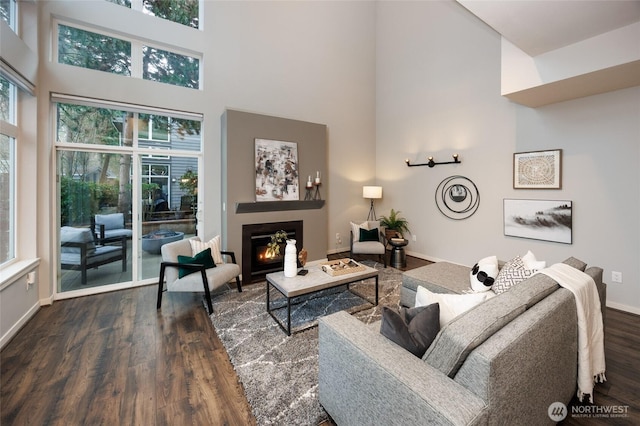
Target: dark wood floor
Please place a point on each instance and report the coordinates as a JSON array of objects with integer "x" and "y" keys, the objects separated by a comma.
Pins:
[{"x": 113, "y": 359}]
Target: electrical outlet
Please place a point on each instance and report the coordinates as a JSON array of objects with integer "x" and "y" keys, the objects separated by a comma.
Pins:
[
  {"x": 415, "y": 237},
  {"x": 338, "y": 236},
  {"x": 616, "y": 277}
]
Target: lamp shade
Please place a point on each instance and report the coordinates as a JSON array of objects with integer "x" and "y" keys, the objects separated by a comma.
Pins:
[{"x": 372, "y": 192}]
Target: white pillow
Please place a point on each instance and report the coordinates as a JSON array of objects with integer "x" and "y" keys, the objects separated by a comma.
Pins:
[
  {"x": 451, "y": 305},
  {"x": 214, "y": 244},
  {"x": 355, "y": 230},
  {"x": 483, "y": 274},
  {"x": 530, "y": 262}
]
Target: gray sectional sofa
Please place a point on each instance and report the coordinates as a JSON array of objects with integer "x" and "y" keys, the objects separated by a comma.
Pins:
[{"x": 503, "y": 362}]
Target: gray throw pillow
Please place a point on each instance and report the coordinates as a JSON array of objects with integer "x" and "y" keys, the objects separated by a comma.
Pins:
[{"x": 412, "y": 328}]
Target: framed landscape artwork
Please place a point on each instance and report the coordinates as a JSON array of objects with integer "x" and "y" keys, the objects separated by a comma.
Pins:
[
  {"x": 276, "y": 170},
  {"x": 537, "y": 169},
  {"x": 547, "y": 220}
]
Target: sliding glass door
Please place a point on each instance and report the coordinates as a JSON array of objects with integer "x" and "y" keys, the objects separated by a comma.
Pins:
[{"x": 127, "y": 183}]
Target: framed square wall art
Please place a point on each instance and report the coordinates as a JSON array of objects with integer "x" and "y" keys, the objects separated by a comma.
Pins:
[
  {"x": 537, "y": 169},
  {"x": 547, "y": 220},
  {"x": 276, "y": 164}
]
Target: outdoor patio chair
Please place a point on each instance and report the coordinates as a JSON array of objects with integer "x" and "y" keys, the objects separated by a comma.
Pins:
[
  {"x": 110, "y": 228},
  {"x": 175, "y": 272},
  {"x": 80, "y": 252}
]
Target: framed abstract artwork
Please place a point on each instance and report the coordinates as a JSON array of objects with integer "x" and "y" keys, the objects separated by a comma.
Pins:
[
  {"x": 276, "y": 170},
  {"x": 547, "y": 220},
  {"x": 537, "y": 169}
]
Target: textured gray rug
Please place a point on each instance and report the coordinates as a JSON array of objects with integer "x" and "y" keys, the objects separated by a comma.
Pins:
[{"x": 279, "y": 373}]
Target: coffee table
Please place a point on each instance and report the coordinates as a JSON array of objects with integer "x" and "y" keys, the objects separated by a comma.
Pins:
[{"x": 314, "y": 281}]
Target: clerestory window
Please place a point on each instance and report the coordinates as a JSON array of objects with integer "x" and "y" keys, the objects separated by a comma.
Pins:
[
  {"x": 97, "y": 50},
  {"x": 185, "y": 12}
]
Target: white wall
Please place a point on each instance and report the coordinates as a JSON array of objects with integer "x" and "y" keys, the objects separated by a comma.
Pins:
[
  {"x": 438, "y": 92},
  {"x": 19, "y": 301},
  {"x": 310, "y": 61}
]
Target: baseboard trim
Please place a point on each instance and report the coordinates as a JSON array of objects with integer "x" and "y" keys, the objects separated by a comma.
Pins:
[
  {"x": 625, "y": 308},
  {"x": 6, "y": 338}
]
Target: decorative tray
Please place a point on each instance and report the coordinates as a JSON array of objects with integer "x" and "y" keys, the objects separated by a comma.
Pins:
[{"x": 341, "y": 267}]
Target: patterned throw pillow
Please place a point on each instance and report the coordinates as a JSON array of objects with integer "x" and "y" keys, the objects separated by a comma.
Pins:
[
  {"x": 513, "y": 272},
  {"x": 214, "y": 244}
]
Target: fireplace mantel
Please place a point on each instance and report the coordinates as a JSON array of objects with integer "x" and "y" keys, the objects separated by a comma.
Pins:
[{"x": 275, "y": 206}]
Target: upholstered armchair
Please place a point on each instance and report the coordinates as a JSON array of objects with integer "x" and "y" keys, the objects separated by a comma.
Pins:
[
  {"x": 367, "y": 238},
  {"x": 175, "y": 267}
]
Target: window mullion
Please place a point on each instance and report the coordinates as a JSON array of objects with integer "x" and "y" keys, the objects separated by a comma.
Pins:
[
  {"x": 136, "y": 59},
  {"x": 136, "y": 5}
]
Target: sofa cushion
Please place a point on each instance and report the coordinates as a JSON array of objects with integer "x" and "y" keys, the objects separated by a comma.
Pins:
[
  {"x": 576, "y": 263},
  {"x": 451, "y": 305},
  {"x": 202, "y": 258},
  {"x": 439, "y": 277},
  {"x": 466, "y": 332},
  {"x": 412, "y": 328}
]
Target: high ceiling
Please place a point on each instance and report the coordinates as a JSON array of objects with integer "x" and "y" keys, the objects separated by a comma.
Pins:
[{"x": 539, "y": 26}]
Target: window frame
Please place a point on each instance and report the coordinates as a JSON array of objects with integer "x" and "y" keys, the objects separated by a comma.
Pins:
[
  {"x": 137, "y": 51},
  {"x": 13, "y": 16},
  {"x": 11, "y": 130},
  {"x": 138, "y": 153}
]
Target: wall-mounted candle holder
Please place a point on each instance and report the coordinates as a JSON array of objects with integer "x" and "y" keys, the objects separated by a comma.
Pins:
[{"x": 430, "y": 162}]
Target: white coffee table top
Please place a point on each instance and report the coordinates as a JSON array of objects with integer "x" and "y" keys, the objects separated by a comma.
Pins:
[{"x": 315, "y": 280}]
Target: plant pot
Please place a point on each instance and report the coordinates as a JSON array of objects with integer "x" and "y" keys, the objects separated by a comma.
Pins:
[{"x": 391, "y": 233}]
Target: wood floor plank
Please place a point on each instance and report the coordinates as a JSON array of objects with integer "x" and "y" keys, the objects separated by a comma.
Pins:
[{"x": 114, "y": 359}]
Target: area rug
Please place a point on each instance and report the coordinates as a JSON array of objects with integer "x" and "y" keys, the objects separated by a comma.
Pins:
[{"x": 279, "y": 373}]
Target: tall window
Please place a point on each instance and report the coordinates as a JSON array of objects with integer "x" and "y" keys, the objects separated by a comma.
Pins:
[
  {"x": 128, "y": 163},
  {"x": 8, "y": 135},
  {"x": 102, "y": 52}
]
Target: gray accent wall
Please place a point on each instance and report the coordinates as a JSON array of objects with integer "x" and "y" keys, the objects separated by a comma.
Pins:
[{"x": 239, "y": 131}]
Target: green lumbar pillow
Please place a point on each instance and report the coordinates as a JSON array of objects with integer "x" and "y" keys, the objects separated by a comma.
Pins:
[{"x": 202, "y": 258}]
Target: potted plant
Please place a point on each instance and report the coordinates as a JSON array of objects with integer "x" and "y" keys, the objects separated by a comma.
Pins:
[
  {"x": 395, "y": 225},
  {"x": 273, "y": 248}
]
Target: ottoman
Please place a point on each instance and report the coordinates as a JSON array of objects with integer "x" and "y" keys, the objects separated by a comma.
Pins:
[{"x": 439, "y": 277}]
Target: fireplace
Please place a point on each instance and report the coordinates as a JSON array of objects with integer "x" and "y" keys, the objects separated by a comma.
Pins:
[{"x": 255, "y": 237}]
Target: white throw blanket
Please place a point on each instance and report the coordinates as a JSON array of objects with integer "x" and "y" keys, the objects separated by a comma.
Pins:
[{"x": 591, "y": 362}]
